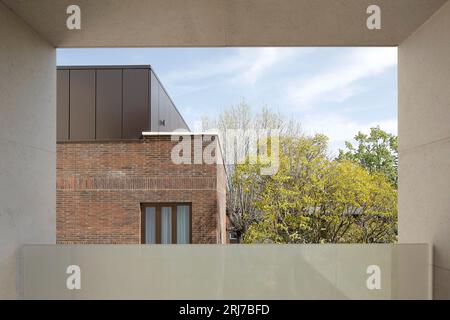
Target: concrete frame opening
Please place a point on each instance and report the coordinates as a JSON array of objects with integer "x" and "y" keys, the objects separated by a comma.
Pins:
[{"x": 30, "y": 31}]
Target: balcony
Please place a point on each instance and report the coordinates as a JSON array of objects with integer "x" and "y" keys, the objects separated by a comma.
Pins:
[{"x": 331, "y": 271}]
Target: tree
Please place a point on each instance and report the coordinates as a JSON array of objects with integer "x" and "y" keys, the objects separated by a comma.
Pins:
[
  {"x": 312, "y": 199},
  {"x": 376, "y": 152},
  {"x": 244, "y": 183}
]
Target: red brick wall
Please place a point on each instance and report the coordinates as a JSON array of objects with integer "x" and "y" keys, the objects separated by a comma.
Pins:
[{"x": 101, "y": 185}]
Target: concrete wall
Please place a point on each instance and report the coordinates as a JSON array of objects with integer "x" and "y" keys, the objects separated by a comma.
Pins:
[
  {"x": 27, "y": 143},
  {"x": 260, "y": 271},
  {"x": 424, "y": 137}
]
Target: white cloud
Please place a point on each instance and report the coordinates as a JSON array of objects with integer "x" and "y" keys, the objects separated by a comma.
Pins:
[
  {"x": 343, "y": 79},
  {"x": 261, "y": 61},
  {"x": 243, "y": 66},
  {"x": 340, "y": 129}
]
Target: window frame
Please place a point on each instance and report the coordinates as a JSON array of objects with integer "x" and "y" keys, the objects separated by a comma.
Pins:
[{"x": 158, "y": 206}]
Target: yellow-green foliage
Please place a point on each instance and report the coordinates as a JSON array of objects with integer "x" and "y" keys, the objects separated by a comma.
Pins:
[{"x": 312, "y": 199}]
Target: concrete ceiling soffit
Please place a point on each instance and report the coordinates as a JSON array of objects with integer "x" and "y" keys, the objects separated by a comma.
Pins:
[{"x": 154, "y": 23}]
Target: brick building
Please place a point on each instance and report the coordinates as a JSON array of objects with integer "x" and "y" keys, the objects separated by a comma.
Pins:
[{"x": 116, "y": 180}]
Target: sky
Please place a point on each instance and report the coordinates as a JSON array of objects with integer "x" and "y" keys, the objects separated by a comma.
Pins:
[{"x": 334, "y": 91}]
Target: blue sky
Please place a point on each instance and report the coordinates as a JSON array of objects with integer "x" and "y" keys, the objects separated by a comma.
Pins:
[{"x": 335, "y": 91}]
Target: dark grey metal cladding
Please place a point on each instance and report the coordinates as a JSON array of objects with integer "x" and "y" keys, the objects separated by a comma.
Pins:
[
  {"x": 154, "y": 102},
  {"x": 82, "y": 105},
  {"x": 136, "y": 104},
  {"x": 112, "y": 102},
  {"x": 62, "y": 112},
  {"x": 164, "y": 114},
  {"x": 109, "y": 104}
]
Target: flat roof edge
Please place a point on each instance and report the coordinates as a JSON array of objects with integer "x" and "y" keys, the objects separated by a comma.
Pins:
[
  {"x": 66, "y": 67},
  {"x": 179, "y": 133}
]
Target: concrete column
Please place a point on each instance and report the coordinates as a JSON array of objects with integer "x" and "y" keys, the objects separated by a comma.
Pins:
[
  {"x": 424, "y": 137},
  {"x": 27, "y": 144}
]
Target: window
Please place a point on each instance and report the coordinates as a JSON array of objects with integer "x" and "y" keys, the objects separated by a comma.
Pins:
[{"x": 166, "y": 223}]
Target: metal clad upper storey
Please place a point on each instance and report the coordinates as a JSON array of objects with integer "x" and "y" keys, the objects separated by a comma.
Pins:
[
  {"x": 136, "y": 104},
  {"x": 82, "y": 105},
  {"x": 109, "y": 104},
  {"x": 112, "y": 102}
]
